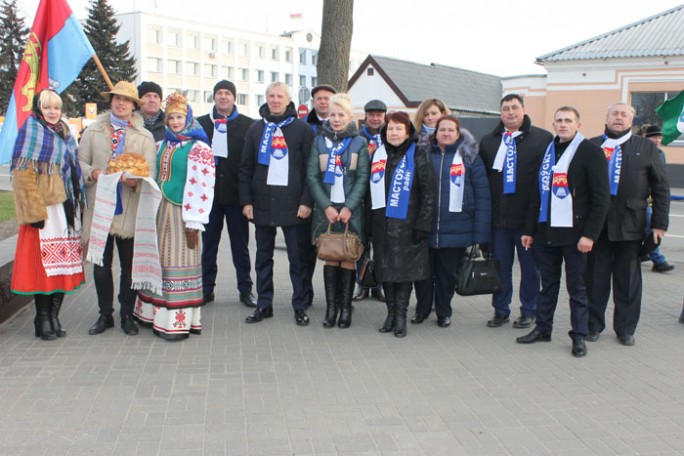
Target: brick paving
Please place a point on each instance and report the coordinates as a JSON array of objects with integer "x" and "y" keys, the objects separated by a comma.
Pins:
[{"x": 273, "y": 388}]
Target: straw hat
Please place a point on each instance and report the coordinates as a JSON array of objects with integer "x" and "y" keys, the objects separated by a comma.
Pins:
[{"x": 124, "y": 89}]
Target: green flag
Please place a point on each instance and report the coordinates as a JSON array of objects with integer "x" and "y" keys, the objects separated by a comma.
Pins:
[{"x": 672, "y": 114}]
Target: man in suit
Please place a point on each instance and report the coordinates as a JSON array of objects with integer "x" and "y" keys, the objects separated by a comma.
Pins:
[
  {"x": 566, "y": 215},
  {"x": 634, "y": 172},
  {"x": 226, "y": 127}
]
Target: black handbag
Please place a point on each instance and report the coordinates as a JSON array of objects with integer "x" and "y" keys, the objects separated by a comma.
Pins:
[
  {"x": 367, "y": 273},
  {"x": 478, "y": 274}
]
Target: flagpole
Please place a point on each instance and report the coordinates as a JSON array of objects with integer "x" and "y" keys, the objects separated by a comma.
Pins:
[{"x": 96, "y": 59}]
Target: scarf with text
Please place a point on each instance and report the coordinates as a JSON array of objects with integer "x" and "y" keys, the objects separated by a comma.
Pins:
[
  {"x": 374, "y": 141},
  {"x": 457, "y": 176},
  {"x": 507, "y": 153},
  {"x": 400, "y": 188},
  {"x": 219, "y": 142},
  {"x": 553, "y": 180},
  {"x": 334, "y": 172},
  {"x": 273, "y": 152},
  {"x": 613, "y": 150}
]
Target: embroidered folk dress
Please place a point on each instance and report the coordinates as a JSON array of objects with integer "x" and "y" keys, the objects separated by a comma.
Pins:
[{"x": 186, "y": 179}]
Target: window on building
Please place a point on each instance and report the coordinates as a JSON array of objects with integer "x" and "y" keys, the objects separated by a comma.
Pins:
[
  {"x": 175, "y": 66},
  {"x": 173, "y": 38},
  {"x": 242, "y": 99},
  {"x": 260, "y": 100},
  {"x": 370, "y": 71},
  {"x": 274, "y": 54},
  {"x": 155, "y": 64},
  {"x": 288, "y": 55},
  {"x": 194, "y": 40},
  {"x": 302, "y": 81},
  {"x": 288, "y": 79},
  {"x": 154, "y": 35},
  {"x": 314, "y": 59},
  {"x": 210, "y": 71},
  {"x": 260, "y": 76},
  {"x": 259, "y": 51},
  {"x": 227, "y": 72},
  {"x": 243, "y": 49},
  {"x": 193, "y": 96},
  {"x": 314, "y": 81},
  {"x": 302, "y": 57},
  {"x": 210, "y": 43},
  {"x": 228, "y": 46},
  {"x": 244, "y": 74},
  {"x": 274, "y": 76},
  {"x": 192, "y": 68},
  {"x": 208, "y": 96}
]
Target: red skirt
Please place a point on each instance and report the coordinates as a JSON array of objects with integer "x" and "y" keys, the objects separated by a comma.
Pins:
[{"x": 28, "y": 274}]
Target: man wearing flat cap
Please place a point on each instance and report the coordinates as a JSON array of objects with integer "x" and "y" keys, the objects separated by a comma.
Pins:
[
  {"x": 321, "y": 98},
  {"x": 150, "y": 93},
  {"x": 226, "y": 127},
  {"x": 113, "y": 133}
]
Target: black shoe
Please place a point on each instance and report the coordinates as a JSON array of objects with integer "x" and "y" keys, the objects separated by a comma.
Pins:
[
  {"x": 443, "y": 322},
  {"x": 360, "y": 293},
  {"x": 248, "y": 300},
  {"x": 498, "y": 320},
  {"x": 681, "y": 317},
  {"x": 128, "y": 326},
  {"x": 378, "y": 294},
  {"x": 525, "y": 321},
  {"x": 644, "y": 258},
  {"x": 208, "y": 297},
  {"x": 534, "y": 336},
  {"x": 593, "y": 336},
  {"x": 579, "y": 349},
  {"x": 103, "y": 323},
  {"x": 662, "y": 267},
  {"x": 259, "y": 314},
  {"x": 626, "y": 340},
  {"x": 418, "y": 318},
  {"x": 301, "y": 318}
]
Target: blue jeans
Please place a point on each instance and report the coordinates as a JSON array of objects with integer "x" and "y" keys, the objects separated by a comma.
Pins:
[{"x": 505, "y": 242}]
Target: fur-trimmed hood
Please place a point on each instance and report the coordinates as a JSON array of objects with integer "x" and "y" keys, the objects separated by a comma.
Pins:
[{"x": 466, "y": 145}]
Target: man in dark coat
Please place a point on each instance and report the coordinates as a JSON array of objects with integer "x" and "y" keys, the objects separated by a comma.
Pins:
[
  {"x": 151, "y": 95},
  {"x": 634, "y": 172},
  {"x": 320, "y": 96},
  {"x": 274, "y": 193},
  {"x": 512, "y": 154},
  {"x": 226, "y": 127},
  {"x": 565, "y": 219}
]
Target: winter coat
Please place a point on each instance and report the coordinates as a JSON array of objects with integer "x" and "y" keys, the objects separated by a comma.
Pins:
[
  {"x": 315, "y": 123},
  {"x": 399, "y": 257},
  {"x": 642, "y": 173},
  {"x": 510, "y": 211},
  {"x": 588, "y": 185},
  {"x": 95, "y": 152},
  {"x": 158, "y": 129},
  {"x": 228, "y": 169},
  {"x": 473, "y": 224},
  {"x": 276, "y": 205},
  {"x": 356, "y": 171}
]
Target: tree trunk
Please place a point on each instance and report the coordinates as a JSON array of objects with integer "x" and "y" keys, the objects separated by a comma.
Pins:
[{"x": 336, "y": 35}]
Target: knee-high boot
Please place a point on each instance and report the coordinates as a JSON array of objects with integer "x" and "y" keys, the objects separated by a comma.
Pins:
[
  {"x": 330, "y": 280},
  {"x": 55, "y": 306},
  {"x": 390, "y": 302},
  {"x": 346, "y": 291},
  {"x": 402, "y": 297},
  {"x": 42, "y": 320}
]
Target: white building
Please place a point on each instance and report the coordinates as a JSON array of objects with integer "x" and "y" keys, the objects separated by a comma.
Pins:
[{"x": 191, "y": 57}]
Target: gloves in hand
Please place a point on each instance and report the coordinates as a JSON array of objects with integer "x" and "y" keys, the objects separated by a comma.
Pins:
[{"x": 40, "y": 225}]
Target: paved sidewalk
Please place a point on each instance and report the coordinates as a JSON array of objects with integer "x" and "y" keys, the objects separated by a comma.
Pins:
[{"x": 277, "y": 389}]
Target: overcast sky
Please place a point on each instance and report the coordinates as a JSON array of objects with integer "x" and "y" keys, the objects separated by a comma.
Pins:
[{"x": 479, "y": 35}]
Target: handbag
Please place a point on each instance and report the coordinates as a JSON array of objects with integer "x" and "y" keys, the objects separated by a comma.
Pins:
[
  {"x": 367, "y": 273},
  {"x": 478, "y": 274},
  {"x": 338, "y": 246}
]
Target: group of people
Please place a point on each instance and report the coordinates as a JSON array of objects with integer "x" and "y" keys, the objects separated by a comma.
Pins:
[{"x": 417, "y": 193}]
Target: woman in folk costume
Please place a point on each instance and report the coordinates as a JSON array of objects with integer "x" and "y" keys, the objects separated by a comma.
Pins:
[
  {"x": 338, "y": 179},
  {"x": 48, "y": 193},
  {"x": 185, "y": 176},
  {"x": 462, "y": 216},
  {"x": 426, "y": 117},
  {"x": 402, "y": 187}
]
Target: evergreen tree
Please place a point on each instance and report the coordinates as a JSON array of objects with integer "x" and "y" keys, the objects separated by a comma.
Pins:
[
  {"x": 13, "y": 34},
  {"x": 101, "y": 28}
]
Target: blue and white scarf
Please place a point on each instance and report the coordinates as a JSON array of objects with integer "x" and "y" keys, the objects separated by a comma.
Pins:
[
  {"x": 374, "y": 141},
  {"x": 400, "y": 187},
  {"x": 219, "y": 141},
  {"x": 553, "y": 179},
  {"x": 334, "y": 171},
  {"x": 506, "y": 160},
  {"x": 613, "y": 151},
  {"x": 273, "y": 152}
]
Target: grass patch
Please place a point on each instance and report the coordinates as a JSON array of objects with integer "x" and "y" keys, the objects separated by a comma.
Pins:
[{"x": 7, "y": 206}]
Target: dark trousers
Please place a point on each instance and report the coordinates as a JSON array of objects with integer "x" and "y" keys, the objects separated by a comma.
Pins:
[
  {"x": 440, "y": 285},
  {"x": 238, "y": 232},
  {"x": 104, "y": 281},
  {"x": 619, "y": 261},
  {"x": 505, "y": 242},
  {"x": 297, "y": 241},
  {"x": 312, "y": 259},
  {"x": 550, "y": 261}
]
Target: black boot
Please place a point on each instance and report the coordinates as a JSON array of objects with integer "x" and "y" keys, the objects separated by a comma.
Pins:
[
  {"x": 42, "y": 320},
  {"x": 346, "y": 292},
  {"x": 390, "y": 302},
  {"x": 402, "y": 297},
  {"x": 330, "y": 278},
  {"x": 681, "y": 316},
  {"x": 55, "y": 306}
]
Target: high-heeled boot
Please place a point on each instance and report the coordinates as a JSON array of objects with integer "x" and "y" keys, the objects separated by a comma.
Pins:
[
  {"x": 402, "y": 297},
  {"x": 55, "y": 306},
  {"x": 330, "y": 279},
  {"x": 42, "y": 320},
  {"x": 390, "y": 302},
  {"x": 346, "y": 291}
]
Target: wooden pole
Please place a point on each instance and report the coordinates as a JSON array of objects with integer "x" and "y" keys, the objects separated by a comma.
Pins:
[{"x": 96, "y": 59}]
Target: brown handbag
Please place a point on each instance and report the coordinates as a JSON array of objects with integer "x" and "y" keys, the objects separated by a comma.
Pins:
[{"x": 338, "y": 246}]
